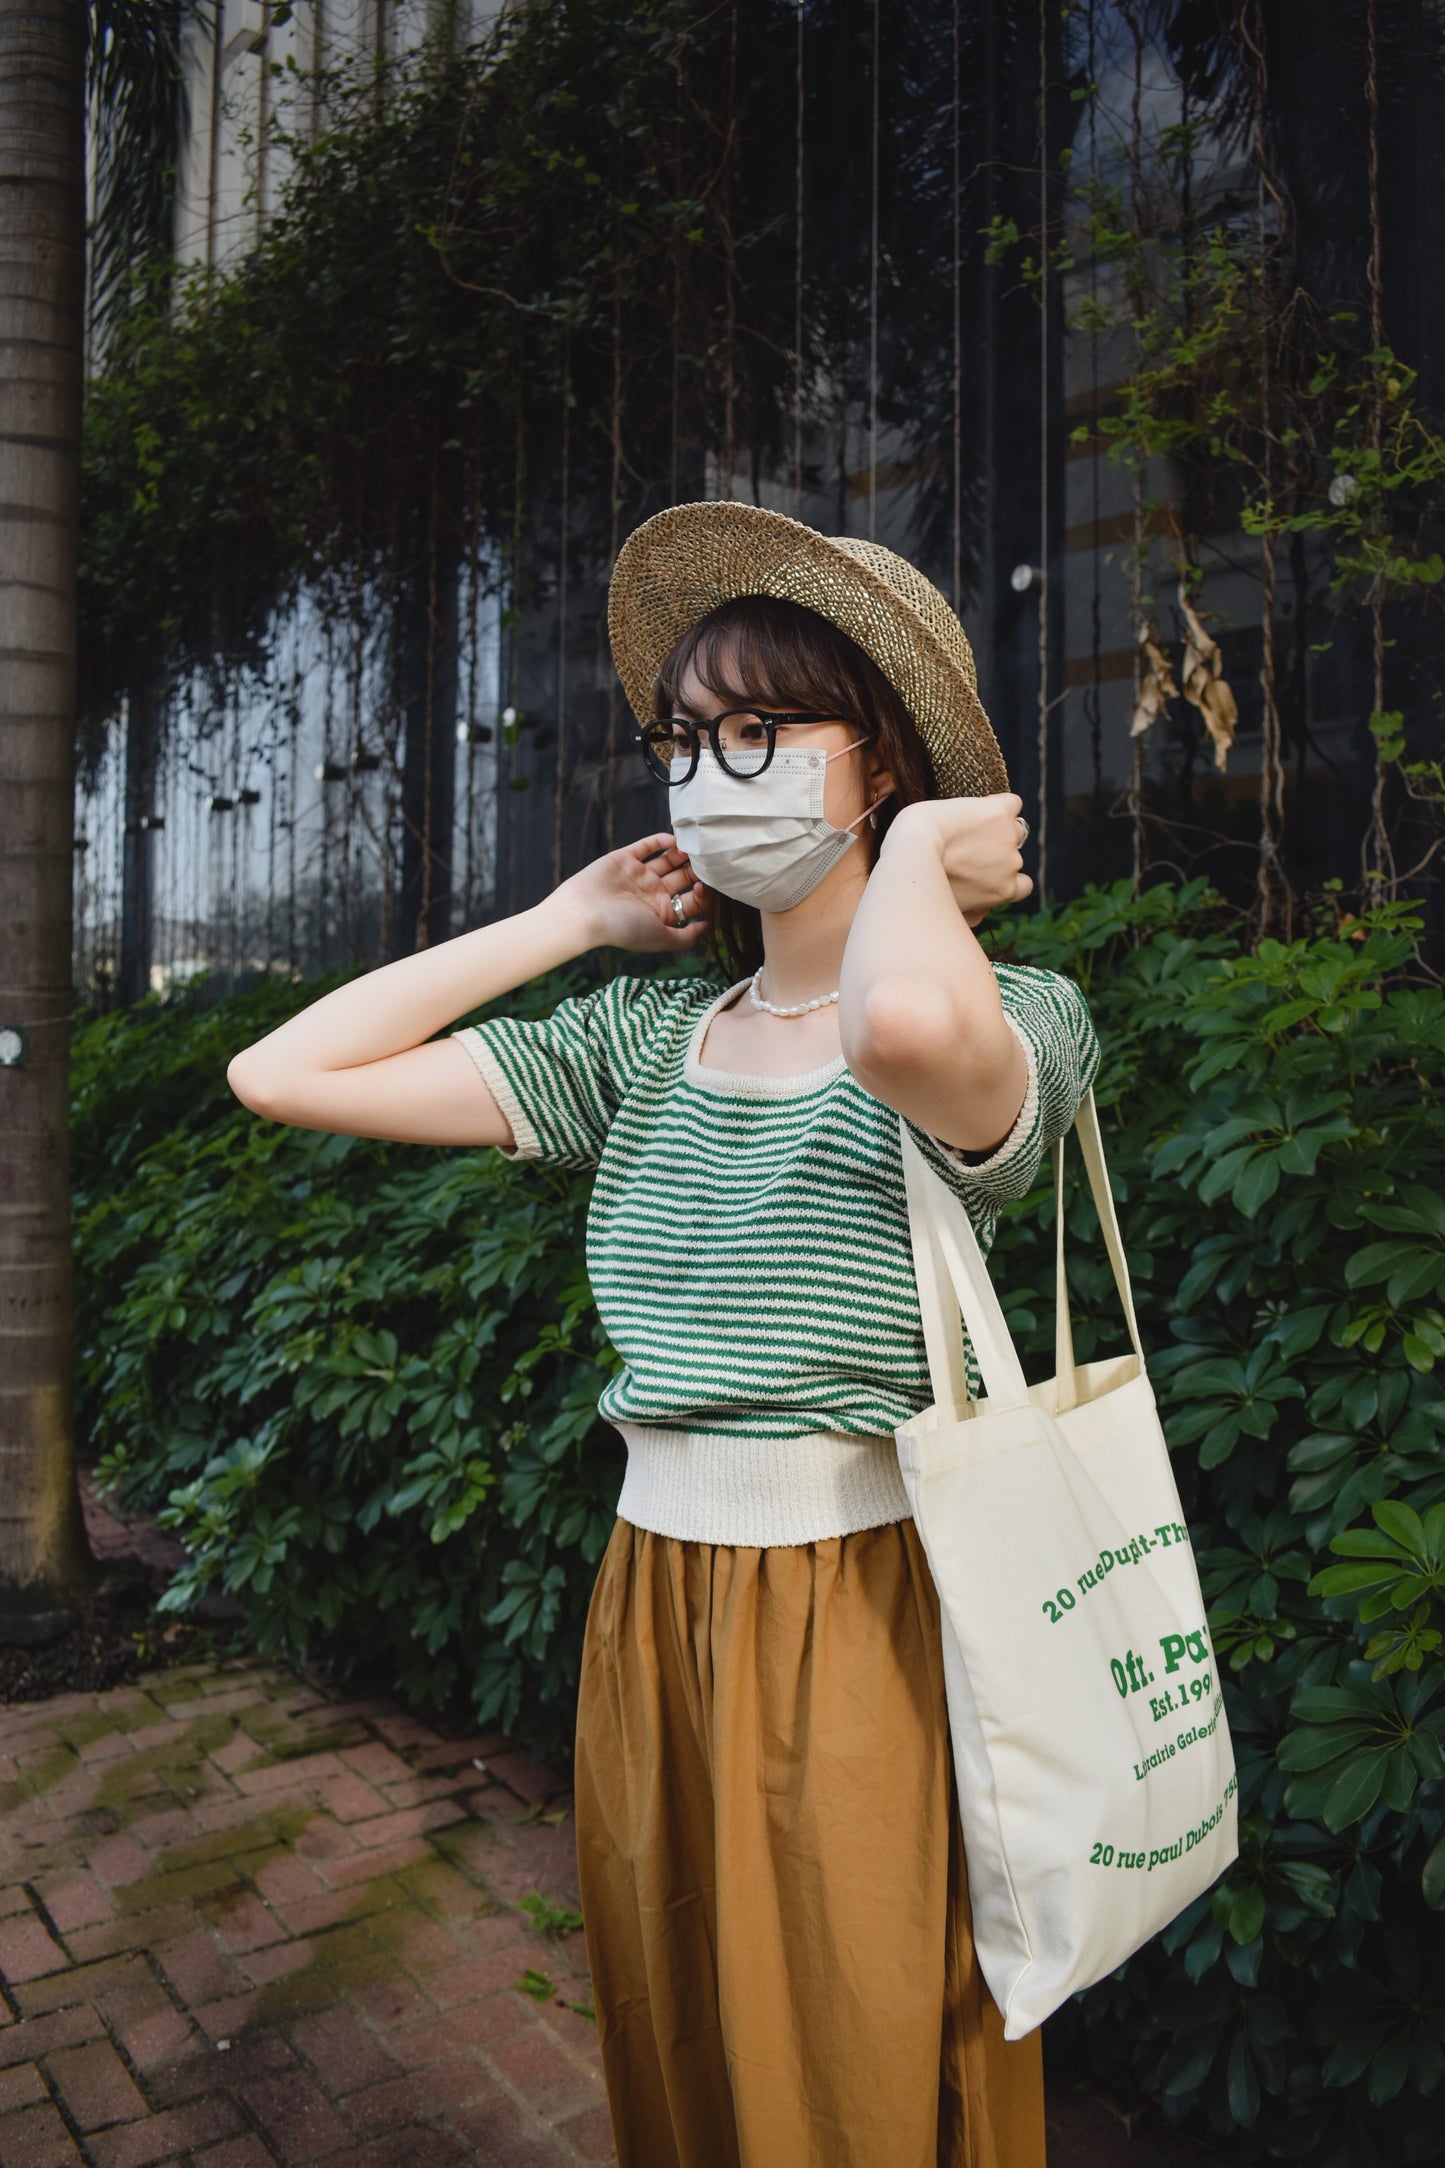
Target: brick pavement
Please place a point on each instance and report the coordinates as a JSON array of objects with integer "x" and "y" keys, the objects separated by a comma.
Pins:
[{"x": 243, "y": 1921}]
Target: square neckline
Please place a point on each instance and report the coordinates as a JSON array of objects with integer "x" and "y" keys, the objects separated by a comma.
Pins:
[{"x": 740, "y": 1084}]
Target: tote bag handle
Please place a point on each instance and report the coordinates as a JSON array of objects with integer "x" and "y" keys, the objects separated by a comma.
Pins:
[{"x": 948, "y": 1262}]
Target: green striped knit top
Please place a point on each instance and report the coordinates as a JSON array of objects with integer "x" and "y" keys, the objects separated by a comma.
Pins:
[{"x": 748, "y": 1246}]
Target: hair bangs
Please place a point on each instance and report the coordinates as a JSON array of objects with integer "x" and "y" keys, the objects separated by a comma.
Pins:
[{"x": 758, "y": 646}]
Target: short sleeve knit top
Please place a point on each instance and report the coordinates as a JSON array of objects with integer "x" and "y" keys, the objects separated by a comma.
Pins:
[{"x": 748, "y": 1246}]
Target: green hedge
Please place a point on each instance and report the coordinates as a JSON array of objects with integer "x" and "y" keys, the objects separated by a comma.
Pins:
[
  {"x": 360, "y": 1379},
  {"x": 363, "y": 1377}
]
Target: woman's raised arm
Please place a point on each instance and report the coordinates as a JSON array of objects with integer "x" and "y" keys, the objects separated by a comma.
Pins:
[
  {"x": 920, "y": 1015},
  {"x": 364, "y": 1062}
]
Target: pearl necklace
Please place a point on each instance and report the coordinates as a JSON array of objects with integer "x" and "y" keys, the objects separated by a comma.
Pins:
[{"x": 801, "y": 1008}]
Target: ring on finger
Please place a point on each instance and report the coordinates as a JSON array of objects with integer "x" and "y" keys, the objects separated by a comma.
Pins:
[
  {"x": 1023, "y": 828},
  {"x": 679, "y": 910}
]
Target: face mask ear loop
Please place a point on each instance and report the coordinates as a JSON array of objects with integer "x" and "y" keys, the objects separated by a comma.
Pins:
[
  {"x": 867, "y": 808},
  {"x": 867, "y": 811}
]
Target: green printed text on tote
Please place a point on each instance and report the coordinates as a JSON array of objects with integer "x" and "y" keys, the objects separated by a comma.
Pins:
[
  {"x": 1126, "y": 1554},
  {"x": 1104, "y": 1855}
]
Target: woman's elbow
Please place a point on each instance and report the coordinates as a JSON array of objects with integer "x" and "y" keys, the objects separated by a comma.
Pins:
[
  {"x": 255, "y": 1084},
  {"x": 898, "y": 1030}
]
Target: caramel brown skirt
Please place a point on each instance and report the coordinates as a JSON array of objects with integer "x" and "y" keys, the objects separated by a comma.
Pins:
[{"x": 771, "y": 1867}]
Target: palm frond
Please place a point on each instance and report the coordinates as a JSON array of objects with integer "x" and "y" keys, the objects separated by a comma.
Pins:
[{"x": 139, "y": 115}]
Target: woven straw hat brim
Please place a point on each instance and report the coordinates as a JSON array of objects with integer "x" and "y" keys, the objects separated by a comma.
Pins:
[{"x": 682, "y": 563}]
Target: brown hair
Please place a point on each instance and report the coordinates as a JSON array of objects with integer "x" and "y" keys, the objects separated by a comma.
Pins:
[{"x": 760, "y": 643}]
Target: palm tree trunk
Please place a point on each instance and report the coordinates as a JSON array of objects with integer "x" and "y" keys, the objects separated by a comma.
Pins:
[{"x": 43, "y": 1556}]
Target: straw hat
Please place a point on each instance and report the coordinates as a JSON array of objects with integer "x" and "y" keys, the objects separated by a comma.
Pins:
[{"x": 682, "y": 563}]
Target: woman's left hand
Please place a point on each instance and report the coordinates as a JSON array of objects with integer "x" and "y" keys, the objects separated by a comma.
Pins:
[{"x": 977, "y": 841}]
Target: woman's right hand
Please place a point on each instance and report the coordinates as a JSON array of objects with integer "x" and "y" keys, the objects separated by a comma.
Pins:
[{"x": 625, "y": 897}]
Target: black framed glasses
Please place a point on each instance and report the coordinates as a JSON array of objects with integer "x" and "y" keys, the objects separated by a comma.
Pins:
[{"x": 743, "y": 741}]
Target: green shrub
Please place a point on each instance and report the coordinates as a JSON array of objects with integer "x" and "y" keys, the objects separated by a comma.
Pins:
[
  {"x": 359, "y": 1379},
  {"x": 1277, "y": 1142},
  {"x": 364, "y": 1378}
]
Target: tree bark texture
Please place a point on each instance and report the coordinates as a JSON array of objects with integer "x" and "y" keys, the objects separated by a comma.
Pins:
[{"x": 43, "y": 1554}]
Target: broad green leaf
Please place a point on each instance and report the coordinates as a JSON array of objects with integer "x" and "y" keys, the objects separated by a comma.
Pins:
[{"x": 1355, "y": 1789}]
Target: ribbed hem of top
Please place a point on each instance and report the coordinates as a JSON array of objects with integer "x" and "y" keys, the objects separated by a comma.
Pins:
[
  {"x": 526, "y": 1144},
  {"x": 1021, "y": 1135},
  {"x": 759, "y": 1492}
]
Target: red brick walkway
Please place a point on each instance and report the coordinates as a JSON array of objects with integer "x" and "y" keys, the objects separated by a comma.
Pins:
[{"x": 242, "y": 1923}]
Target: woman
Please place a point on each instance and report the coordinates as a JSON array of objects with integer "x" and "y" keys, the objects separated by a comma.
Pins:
[{"x": 771, "y": 1872}]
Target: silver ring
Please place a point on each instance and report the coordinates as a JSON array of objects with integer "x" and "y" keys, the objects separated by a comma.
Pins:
[
  {"x": 1023, "y": 824},
  {"x": 679, "y": 910}
]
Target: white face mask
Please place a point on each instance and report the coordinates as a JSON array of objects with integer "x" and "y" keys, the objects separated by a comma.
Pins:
[{"x": 764, "y": 839}]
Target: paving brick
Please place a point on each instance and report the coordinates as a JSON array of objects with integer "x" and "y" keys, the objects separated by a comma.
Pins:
[
  {"x": 416, "y": 1791},
  {"x": 257, "y": 1782},
  {"x": 404, "y": 1730},
  {"x": 591, "y": 2133},
  {"x": 158, "y": 2137},
  {"x": 105, "y": 1748},
  {"x": 179, "y": 1885},
  {"x": 234, "y": 1754},
  {"x": 530, "y": 1780},
  {"x": 234, "y": 2015},
  {"x": 445, "y": 1890},
  {"x": 223, "y": 1699},
  {"x": 480, "y": 2025},
  {"x": 97, "y": 1983},
  {"x": 284, "y": 1879},
  {"x": 74, "y": 1900},
  {"x": 296, "y": 2116},
  {"x": 243, "y": 1921},
  {"x": 408, "y": 1822},
  {"x": 131, "y": 1931},
  {"x": 390, "y": 2000},
  {"x": 575, "y": 2028},
  {"x": 164, "y": 1825},
  {"x": 496, "y": 2130},
  {"x": 20, "y": 2086},
  {"x": 26, "y": 1949},
  {"x": 276, "y": 1960},
  {"x": 94, "y": 2085},
  {"x": 33, "y": 2037},
  {"x": 350, "y": 1798},
  {"x": 503, "y": 1930},
  {"x": 394, "y": 2102},
  {"x": 462, "y": 1752},
  {"x": 473, "y": 1977},
  {"x": 119, "y": 1859},
  {"x": 36, "y": 2138},
  {"x": 204, "y": 2068},
  {"x": 547, "y": 2078},
  {"x": 341, "y": 2050},
  {"x": 156, "y": 2037},
  {"x": 326, "y": 1840},
  {"x": 416, "y": 1940},
  {"x": 306, "y": 1915},
  {"x": 247, "y": 2152},
  {"x": 381, "y": 1859},
  {"x": 376, "y": 1762},
  {"x": 197, "y": 1969},
  {"x": 418, "y": 2149},
  {"x": 456, "y": 2084}
]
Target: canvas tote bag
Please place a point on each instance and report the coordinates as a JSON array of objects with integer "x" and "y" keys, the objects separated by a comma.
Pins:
[{"x": 1095, "y": 1772}]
